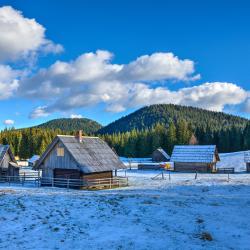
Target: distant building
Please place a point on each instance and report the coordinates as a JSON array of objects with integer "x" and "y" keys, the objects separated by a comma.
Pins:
[
  {"x": 8, "y": 164},
  {"x": 78, "y": 157},
  {"x": 159, "y": 155},
  {"x": 190, "y": 158},
  {"x": 247, "y": 160},
  {"x": 32, "y": 161}
]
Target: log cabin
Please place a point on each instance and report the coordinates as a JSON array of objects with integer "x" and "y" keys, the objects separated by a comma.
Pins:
[
  {"x": 159, "y": 155},
  {"x": 8, "y": 164},
  {"x": 78, "y": 157},
  {"x": 192, "y": 158}
]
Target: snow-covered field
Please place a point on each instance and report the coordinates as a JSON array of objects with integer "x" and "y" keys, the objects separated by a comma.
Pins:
[{"x": 183, "y": 212}]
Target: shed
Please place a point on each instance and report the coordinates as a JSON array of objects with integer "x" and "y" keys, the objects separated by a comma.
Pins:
[
  {"x": 78, "y": 157},
  {"x": 32, "y": 161},
  {"x": 247, "y": 160},
  {"x": 8, "y": 164},
  {"x": 159, "y": 155},
  {"x": 190, "y": 158}
]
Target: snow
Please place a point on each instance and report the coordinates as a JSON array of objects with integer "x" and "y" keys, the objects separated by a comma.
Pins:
[
  {"x": 179, "y": 212},
  {"x": 233, "y": 160}
]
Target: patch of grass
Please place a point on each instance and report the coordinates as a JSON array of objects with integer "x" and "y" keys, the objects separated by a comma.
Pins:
[
  {"x": 147, "y": 202},
  {"x": 200, "y": 221},
  {"x": 55, "y": 229},
  {"x": 206, "y": 236}
]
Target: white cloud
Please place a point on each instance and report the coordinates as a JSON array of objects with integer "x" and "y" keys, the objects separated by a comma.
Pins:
[
  {"x": 159, "y": 66},
  {"x": 8, "y": 122},
  {"x": 75, "y": 116},
  {"x": 91, "y": 69},
  {"x": 119, "y": 96},
  {"x": 39, "y": 112},
  {"x": 21, "y": 37},
  {"x": 8, "y": 81}
]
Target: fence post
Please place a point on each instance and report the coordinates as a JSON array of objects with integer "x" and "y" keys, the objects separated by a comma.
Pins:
[
  {"x": 228, "y": 177},
  {"x": 52, "y": 183},
  {"x": 196, "y": 175},
  {"x": 67, "y": 183},
  {"x": 169, "y": 177},
  {"x": 110, "y": 185}
]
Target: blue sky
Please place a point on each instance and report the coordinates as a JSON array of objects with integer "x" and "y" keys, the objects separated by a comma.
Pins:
[{"x": 141, "y": 60}]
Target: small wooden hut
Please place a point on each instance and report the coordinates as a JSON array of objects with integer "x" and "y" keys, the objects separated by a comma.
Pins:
[
  {"x": 78, "y": 157},
  {"x": 32, "y": 161},
  {"x": 247, "y": 160},
  {"x": 191, "y": 158},
  {"x": 8, "y": 164},
  {"x": 159, "y": 155}
]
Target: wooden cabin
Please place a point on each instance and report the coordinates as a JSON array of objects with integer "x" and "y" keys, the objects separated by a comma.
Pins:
[
  {"x": 192, "y": 158},
  {"x": 78, "y": 157},
  {"x": 247, "y": 160},
  {"x": 32, "y": 161},
  {"x": 159, "y": 155},
  {"x": 8, "y": 164}
]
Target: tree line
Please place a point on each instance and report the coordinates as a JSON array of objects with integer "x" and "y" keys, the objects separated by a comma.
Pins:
[
  {"x": 135, "y": 143},
  {"x": 142, "y": 143}
]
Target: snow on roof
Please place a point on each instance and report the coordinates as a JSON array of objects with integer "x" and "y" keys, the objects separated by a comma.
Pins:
[
  {"x": 34, "y": 158},
  {"x": 195, "y": 153}
]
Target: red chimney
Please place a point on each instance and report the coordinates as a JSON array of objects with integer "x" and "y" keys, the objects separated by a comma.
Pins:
[{"x": 79, "y": 135}]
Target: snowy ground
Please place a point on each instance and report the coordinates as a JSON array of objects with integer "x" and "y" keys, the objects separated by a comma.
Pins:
[{"x": 181, "y": 211}]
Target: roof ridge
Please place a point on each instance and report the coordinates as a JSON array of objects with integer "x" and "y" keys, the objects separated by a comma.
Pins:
[{"x": 84, "y": 136}]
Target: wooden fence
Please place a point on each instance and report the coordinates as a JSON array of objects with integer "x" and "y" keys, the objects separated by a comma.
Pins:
[{"x": 105, "y": 183}]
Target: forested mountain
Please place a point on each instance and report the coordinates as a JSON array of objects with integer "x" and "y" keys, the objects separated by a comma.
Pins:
[
  {"x": 149, "y": 116},
  {"x": 68, "y": 124},
  {"x": 140, "y": 133}
]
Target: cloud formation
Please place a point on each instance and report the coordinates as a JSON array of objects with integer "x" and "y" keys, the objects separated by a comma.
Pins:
[
  {"x": 92, "y": 79},
  {"x": 8, "y": 81},
  {"x": 8, "y": 122},
  {"x": 22, "y": 37},
  {"x": 75, "y": 116}
]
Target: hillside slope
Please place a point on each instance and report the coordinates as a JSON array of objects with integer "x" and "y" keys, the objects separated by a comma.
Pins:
[
  {"x": 164, "y": 113},
  {"x": 68, "y": 124}
]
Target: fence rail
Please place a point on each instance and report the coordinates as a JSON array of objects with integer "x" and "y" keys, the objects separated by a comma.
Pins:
[{"x": 104, "y": 183}]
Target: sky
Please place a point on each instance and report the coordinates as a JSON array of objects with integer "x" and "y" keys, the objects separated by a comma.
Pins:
[{"x": 105, "y": 59}]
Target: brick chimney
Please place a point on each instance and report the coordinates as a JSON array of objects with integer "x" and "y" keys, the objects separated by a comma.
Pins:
[{"x": 79, "y": 136}]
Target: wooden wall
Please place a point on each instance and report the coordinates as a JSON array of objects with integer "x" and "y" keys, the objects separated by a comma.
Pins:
[
  {"x": 248, "y": 166},
  {"x": 99, "y": 175},
  {"x": 192, "y": 167},
  {"x": 53, "y": 161}
]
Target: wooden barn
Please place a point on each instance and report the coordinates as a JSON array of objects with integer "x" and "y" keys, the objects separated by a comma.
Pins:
[
  {"x": 191, "y": 158},
  {"x": 247, "y": 160},
  {"x": 159, "y": 155},
  {"x": 78, "y": 157},
  {"x": 8, "y": 164}
]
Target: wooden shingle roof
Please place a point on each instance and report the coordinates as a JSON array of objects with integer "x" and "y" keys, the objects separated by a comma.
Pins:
[
  {"x": 91, "y": 155},
  {"x": 3, "y": 150},
  {"x": 195, "y": 153},
  {"x": 163, "y": 152}
]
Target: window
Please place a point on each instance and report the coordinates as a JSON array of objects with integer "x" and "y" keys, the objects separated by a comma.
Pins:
[{"x": 60, "y": 151}]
